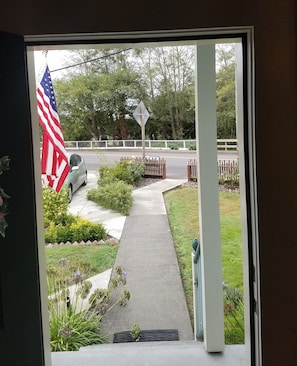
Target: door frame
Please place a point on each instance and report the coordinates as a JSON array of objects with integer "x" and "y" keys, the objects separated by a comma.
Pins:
[{"x": 247, "y": 148}]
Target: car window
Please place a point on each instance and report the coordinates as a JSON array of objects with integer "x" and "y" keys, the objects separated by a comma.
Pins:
[
  {"x": 71, "y": 161},
  {"x": 74, "y": 160},
  {"x": 78, "y": 159}
]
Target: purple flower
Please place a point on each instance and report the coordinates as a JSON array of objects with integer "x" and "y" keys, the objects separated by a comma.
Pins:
[
  {"x": 78, "y": 277},
  {"x": 65, "y": 332},
  {"x": 63, "y": 262}
]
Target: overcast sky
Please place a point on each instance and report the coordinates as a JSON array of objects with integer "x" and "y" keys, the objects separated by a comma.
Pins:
[{"x": 55, "y": 60}]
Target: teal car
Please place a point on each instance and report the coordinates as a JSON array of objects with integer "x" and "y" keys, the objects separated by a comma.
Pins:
[{"x": 78, "y": 174}]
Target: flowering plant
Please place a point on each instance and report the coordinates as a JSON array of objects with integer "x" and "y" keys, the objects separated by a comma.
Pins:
[
  {"x": 4, "y": 165},
  {"x": 75, "y": 309}
]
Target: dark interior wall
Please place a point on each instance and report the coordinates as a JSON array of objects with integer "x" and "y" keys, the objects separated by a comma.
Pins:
[
  {"x": 276, "y": 119},
  {"x": 276, "y": 130},
  {"x": 20, "y": 321}
]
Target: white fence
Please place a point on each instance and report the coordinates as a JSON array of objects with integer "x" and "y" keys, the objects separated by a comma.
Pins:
[{"x": 223, "y": 145}]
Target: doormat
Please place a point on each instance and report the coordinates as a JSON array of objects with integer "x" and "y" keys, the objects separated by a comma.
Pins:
[{"x": 148, "y": 336}]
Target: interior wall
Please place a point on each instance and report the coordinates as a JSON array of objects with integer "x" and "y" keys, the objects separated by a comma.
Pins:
[
  {"x": 20, "y": 329},
  {"x": 274, "y": 22}
]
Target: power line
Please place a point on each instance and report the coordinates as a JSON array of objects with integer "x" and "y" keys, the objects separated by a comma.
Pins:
[{"x": 94, "y": 59}]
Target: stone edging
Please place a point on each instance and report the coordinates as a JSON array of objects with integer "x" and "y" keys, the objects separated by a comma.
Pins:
[{"x": 108, "y": 241}]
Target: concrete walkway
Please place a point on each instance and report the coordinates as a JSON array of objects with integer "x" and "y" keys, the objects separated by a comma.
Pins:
[{"x": 147, "y": 255}]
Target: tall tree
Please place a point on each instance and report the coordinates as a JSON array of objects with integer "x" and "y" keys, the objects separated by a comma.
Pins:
[
  {"x": 95, "y": 102},
  {"x": 225, "y": 80},
  {"x": 98, "y": 97},
  {"x": 170, "y": 75}
]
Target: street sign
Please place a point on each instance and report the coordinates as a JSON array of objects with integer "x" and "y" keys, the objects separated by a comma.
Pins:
[{"x": 141, "y": 114}]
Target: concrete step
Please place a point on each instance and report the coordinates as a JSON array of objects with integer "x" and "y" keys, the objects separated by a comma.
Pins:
[{"x": 175, "y": 353}]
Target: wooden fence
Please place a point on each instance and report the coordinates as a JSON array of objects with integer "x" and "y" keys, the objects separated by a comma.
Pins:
[
  {"x": 153, "y": 166},
  {"x": 225, "y": 168}
]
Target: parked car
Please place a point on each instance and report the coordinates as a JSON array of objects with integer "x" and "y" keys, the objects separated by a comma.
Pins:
[{"x": 77, "y": 175}]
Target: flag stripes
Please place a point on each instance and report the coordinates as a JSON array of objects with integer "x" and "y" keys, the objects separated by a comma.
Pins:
[{"x": 54, "y": 162}]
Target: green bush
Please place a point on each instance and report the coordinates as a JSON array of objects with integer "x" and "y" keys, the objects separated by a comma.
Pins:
[
  {"x": 234, "y": 315},
  {"x": 116, "y": 196},
  {"x": 106, "y": 176},
  {"x": 70, "y": 331},
  {"x": 173, "y": 146},
  {"x": 82, "y": 229},
  {"x": 128, "y": 171},
  {"x": 230, "y": 180},
  {"x": 78, "y": 230},
  {"x": 55, "y": 205},
  {"x": 136, "y": 170}
]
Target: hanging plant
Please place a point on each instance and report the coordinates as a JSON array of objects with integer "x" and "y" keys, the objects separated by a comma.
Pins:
[{"x": 4, "y": 165}]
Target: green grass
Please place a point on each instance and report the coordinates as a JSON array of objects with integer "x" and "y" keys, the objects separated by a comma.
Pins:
[
  {"x": 98, "y": 257},
  {"x": 182, "y": 209}
]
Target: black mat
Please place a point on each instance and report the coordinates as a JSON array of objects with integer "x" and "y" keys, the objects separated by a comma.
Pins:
[{"x": 148, "y": 336}]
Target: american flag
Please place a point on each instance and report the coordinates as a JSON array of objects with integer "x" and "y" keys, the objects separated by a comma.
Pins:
[{"x": 54, "y": 162}]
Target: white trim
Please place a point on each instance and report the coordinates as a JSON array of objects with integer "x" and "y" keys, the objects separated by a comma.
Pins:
[{"x": 137, "y": 35}]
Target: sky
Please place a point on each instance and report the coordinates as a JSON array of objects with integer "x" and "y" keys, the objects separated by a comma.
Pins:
[{"x": 55, "y": 60}]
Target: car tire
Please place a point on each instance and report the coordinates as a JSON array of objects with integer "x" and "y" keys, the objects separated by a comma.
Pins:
[{"x": 85, "y": 180}]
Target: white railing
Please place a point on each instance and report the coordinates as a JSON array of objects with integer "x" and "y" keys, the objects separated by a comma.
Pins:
[{"x": 223, "y": 145}]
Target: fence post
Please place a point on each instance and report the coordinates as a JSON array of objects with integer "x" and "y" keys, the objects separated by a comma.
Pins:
[
  {"x": 164, "y": 169},
  {"x": 189, "y": 172}
]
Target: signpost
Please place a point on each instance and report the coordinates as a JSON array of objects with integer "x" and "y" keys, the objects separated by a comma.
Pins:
[{"x": 141, "y": 115}]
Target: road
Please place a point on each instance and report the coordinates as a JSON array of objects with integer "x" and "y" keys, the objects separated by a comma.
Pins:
[{"x": 176, "y": 160}]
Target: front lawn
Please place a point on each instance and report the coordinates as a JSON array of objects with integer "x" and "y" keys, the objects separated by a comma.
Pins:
[
  {"x": 182, "y": 209},
  {"x": 98, "y": 258}
]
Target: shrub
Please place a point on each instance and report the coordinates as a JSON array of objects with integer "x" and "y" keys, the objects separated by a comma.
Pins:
[
  {"x": 75, "y": 320},
  {"x": 136, "y": 170},
  {"x": 106, "y": 176},
  {"x": 116, "y": 196},
  {"x": 230, "y": 180},
  {"x": 173, "y": 146},
  {"x": 85, "y": 230},
  {"x": 234, "y": 315},
  {"x": 129, "y": 171},
  {"x": 60, "y": 226},
  {"x": 55, "y": 205},
  {"x": 70, "y": 331},
  {"x": 78, "y": 230}
]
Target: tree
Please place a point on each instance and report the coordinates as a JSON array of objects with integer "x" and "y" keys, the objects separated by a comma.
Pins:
[
  {"x": 225, "y": 80},
  {"x": 98, "y": 97},
  {"x": 169, "y": 72},
  {"x": 95, "y": 102},
  {"x": 121, "y": 91},
  {"x": 80, "y": 115}
]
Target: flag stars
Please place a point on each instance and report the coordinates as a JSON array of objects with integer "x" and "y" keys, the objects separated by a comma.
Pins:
[{"x": 47, "y": 85}]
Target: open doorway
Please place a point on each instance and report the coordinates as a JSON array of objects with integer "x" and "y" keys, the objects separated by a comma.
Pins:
[{"x": 246, "y": 141}]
